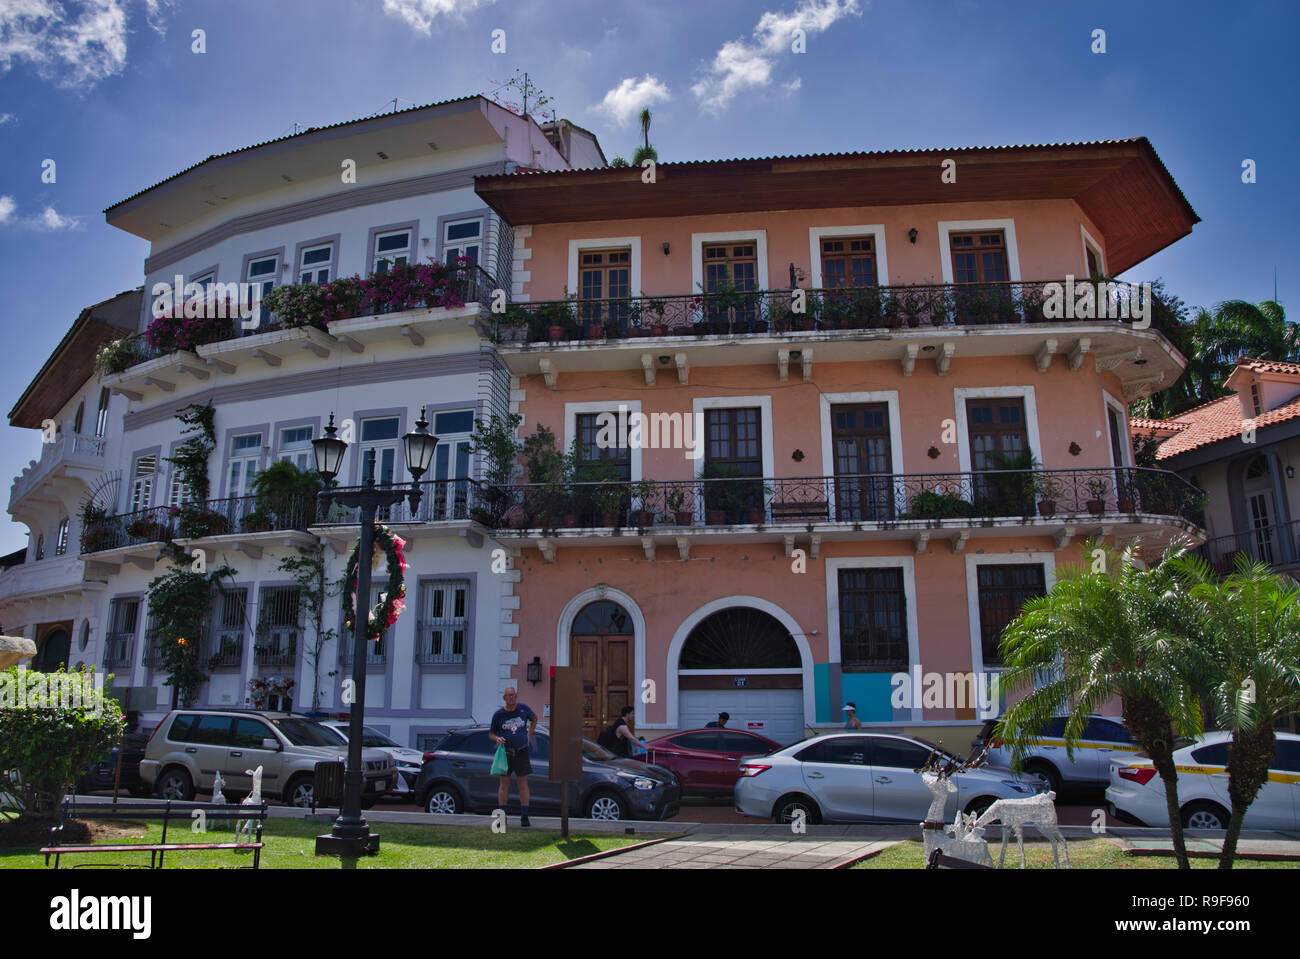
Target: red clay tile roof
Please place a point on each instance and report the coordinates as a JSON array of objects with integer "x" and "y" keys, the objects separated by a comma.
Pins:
[
  {"x": 1213, "y": 423},
  {"x": 1138, "y": 423},
  {"x": 1267, "y": 366}
]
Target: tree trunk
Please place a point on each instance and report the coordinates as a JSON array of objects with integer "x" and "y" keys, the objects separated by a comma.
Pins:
[
  {"x": 1152, "y": 727},
  {"x": 1248, "y": 761}
]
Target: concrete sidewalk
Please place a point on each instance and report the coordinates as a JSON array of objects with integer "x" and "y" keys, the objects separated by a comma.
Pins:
[{"x": 707, "y": 851}]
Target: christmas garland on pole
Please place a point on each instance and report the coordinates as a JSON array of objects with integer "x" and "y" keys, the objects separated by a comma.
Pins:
[{"x": 392, "y": 600}]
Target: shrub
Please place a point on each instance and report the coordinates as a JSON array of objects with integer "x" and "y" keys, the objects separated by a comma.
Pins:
[
  {"x": 48, "y": 742},
  {"x": 172, "y": 332},
  {"x": 408, "y": 286}
]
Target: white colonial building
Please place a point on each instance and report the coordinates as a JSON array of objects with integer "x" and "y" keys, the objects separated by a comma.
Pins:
[{"x": 353, "y": 198}]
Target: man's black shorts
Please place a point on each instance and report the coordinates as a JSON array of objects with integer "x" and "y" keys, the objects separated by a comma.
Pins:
[{"x": 518, "y": 761}]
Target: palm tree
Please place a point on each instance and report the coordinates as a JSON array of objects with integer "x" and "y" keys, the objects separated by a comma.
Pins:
[
  {"x": 645, "y": 126},
  {"x": 645, "y": 151},
  {"x": 1099, "y": 635},
  {"x": 1250, "y": 626}
]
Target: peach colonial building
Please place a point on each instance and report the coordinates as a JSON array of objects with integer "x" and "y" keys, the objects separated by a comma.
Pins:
[{"x": 846, "y": 520}]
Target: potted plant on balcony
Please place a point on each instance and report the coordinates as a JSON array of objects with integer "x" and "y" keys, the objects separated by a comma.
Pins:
[
  {"x": 722, "y": 499},
  {"x": 932, "y": 504},
  {"x": 286, "y": 494},
  {"x": 607, "y": 497},
  {"x": 1097, "y": 489},
  {"x": 1011, "y": 483},
  {"x": 655, "y": 308},
  {"x": 494, "y": 440},
  {"x": 147, "y": 528},
  {"x": 258, "y": 521},
  {"x": 645, "y": 491},
  {"x": 675, "y": 499},
  {"x": 194, "y": 521},
  {"x": 1124, "y": 494},
  {"x": 548, "y": 473},
  {"x": 1048, "y": 489}
]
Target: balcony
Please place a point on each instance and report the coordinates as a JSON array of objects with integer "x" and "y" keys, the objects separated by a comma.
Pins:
[
  {"x": 1278, "y": 546},
  {"x": 118, "y": 649},
  {"x": 453, "y": 507},
  {"x": 236, "y": 520},
  {"x": 72, "y": 455},
  {"x": 139, "y": 371},
  {"x": 924, "y": 322},
  {"x": 376, "y": 653},
  {"x": 225, "y": 649},
  {"x": 1155, "y": 504}
]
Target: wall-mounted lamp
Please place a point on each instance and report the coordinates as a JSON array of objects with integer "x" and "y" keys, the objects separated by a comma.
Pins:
[
  {"x": 1290, "y": 472},
  {"x": 1074, "y": 449},
  {"x": 911, "y": 234},
  {"x": 665, "y": 248},
  {"x": 535, "y": 670},
  {"x": 933, "y": 452}
]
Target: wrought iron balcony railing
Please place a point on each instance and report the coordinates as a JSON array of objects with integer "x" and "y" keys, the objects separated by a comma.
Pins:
[
  {"x": 440, "y": 642},
  {"x": 226, "y": 648},
  {"x": 442, "y": 501},
  {"x": 857, "y": 499},
  {"x": 1275, "y": 545},
  {"x": 216, "y": 517},
  {"x": 376, "y": 650},
  {"x": 767, "y": 312},
  {"x": 279, "y": 649}
]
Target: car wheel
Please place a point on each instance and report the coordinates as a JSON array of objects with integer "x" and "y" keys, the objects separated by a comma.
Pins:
[
  {"x": 299, "y": 792},
  {"x": 1204, "y": 815},
  {"x": 176, "y": 784},
  {"x": 442, "y": 801},
  {"x": 608, "y": 806},
  {"x": 786, "y": 807},
  {"x": 1048, "y": 772},
  {"x": 979, "y": 805}
]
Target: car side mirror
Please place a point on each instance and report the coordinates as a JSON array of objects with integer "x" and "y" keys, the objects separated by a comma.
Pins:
[{"x": 271, "y": 744}]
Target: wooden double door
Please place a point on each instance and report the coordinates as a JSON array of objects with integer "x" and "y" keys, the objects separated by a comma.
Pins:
[{"x": 606, "y": 669}]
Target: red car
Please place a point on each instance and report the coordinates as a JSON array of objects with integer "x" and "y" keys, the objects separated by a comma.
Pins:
[{"x": 705, "y": 760}]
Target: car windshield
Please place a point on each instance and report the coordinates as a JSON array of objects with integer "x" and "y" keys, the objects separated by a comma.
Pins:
[
  {"x": 373, "y": 737},
  {"x": 947, "y": 756},
  {"x": 304, "y": 732},
  {"x": 596, "y": 752}
]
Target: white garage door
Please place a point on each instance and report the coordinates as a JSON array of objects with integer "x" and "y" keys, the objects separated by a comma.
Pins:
[{"x": 779, "y": 710}]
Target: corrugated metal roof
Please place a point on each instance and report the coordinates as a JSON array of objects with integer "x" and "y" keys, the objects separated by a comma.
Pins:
[{"x": 294, "y": 136}]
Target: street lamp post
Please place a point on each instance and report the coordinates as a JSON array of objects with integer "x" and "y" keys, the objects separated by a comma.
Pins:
[{"x": 350, "y": 836}]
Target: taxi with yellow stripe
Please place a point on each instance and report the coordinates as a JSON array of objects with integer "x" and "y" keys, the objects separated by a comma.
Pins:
[
  {"x": 1137, "y": 793},
  {"x": 1105, "y": 739}
]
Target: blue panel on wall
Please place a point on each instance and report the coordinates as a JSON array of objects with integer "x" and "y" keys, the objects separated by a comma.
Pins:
[
  {"x": 870, "y": 692},
  {"x": 822, "y": 692}
]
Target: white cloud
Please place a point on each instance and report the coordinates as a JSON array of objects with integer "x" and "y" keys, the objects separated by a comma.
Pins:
[
  {"x": 49, "y": 219},
  {"x": 75, "y": 44},
  {"x": 154, "y": 11},
  {"x": 420, "y": 14},
  {"x": 740, "y": 65},
  {"x": 623, "y": 103},
  {"x": 7, "y": 118}
]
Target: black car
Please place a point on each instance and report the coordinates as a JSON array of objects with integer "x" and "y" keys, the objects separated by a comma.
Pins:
[
  {"x": 456, "y": 777},
  {"x": 100, "y": 774}
]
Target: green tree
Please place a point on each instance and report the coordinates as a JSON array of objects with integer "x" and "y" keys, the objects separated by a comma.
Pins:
[
  {"x": 48, "y": 737},
  {"x": 180, "y": 606},
  {"x": 1108, "y": 629},
  {"x": 308, "y": 570},
  {"x": 1249, "y": 628}
]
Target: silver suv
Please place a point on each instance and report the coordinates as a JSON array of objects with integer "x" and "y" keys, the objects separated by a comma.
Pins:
[{"x": 190, "y": 745}]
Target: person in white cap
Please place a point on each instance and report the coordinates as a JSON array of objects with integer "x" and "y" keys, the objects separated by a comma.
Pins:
[{"x": 851, "y": 720}]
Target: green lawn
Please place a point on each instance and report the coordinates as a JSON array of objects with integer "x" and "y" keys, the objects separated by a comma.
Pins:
[
  {"x": 1089, "y": 854},
  {"x": 290, "y": 844}
]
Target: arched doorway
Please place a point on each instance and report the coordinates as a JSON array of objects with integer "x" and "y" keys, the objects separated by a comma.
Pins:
[
  {"x": 1260, "y": 512},
  {"x": 601, "y": 644},
  {"x": 54, "y": 650},
  {"x": 743, "y": 661}
]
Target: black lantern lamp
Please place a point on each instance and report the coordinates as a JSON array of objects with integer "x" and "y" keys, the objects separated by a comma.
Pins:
[
  {"x": 329, "y": 450},
  {"x": 535, "y": 670},
  {"x": 350, "y": 836}
]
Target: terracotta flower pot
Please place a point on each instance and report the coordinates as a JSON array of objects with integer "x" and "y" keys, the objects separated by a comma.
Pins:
[
  {"x": 684, "y": 517},
  {"x": 753, "y": 515},
  {"x": 609, "y": 518},
  {"x": 716, "y": 517},
  {"x": 644, "y": 518},
  {"x": 515, "y": 517},
  {"x": 1096, "y": 506},
  {"x": 1126, "y": 505},
  {"x": 570, "y": 520},
  {"x": 556, "y": 333},
  {"x": 593, "y": 331},
  {"x": 1047, "y": 507},
  {"x": 659, "y": 329}
]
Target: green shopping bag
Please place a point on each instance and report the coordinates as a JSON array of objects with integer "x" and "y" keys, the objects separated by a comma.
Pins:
[{"x": 499, "y": 764}]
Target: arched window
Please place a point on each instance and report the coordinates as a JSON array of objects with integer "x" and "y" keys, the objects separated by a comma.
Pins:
[
  {"x": 61, "y": 544},
  {"x": 739, "y": 638},
  {"x": 76, "y": 420},
  {"x": 1257, "y": 468},
  {"x": 602, "y": 618}
]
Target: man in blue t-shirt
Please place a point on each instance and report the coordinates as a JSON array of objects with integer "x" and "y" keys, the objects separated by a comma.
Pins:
[{"x": 513, "y": 726}]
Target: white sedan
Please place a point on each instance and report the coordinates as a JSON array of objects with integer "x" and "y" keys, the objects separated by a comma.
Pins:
[
  {"x": 1136, "y": 791},
  {"x": 861, "y": 777},
  {"x": 408, "y": 761}
]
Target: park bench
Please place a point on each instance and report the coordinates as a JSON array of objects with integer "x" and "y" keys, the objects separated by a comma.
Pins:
[{"x": 168, "y": 812}]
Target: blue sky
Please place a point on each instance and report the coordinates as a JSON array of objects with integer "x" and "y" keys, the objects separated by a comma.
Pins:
[{"x": 110, "y": 90}]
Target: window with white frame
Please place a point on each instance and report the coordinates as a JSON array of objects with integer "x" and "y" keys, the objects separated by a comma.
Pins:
[
  {"x": 391, "y": 249},
  {"x": 451, "y": 464},
  {"x": 101, "y": 415},
  {"x": 295, "y": 446},
  {"x": 443, "y": 631},
  {"x": 262, "y": 275},
  {"x": 142, "y": 481},
  {"x": 245, "y": 451},
  {"x": 315, "y": 264},
  {"x": 462, "y": 238},
  {"x": 61, "y": 543}
]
